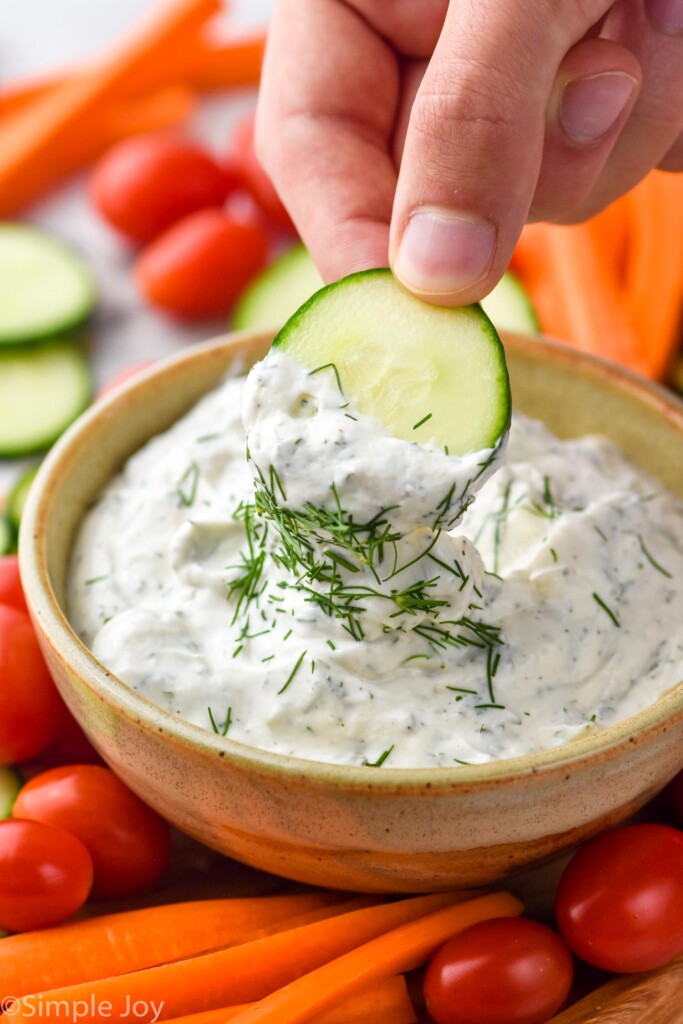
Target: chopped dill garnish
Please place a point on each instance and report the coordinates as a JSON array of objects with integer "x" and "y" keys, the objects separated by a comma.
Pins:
[
  {"x": 207, "y": 437},
  {"x": 269, "y": 658},
  {"x": 381, "y": 759},
  {"x": 607, "y": 609},
  {"x": 287, "y": 634},
  {"x": 492, "y": 661},
  {"x": 330, "y": 645},
  {"x": 461, "y": 689},
  {"x": 186, "y": 488},
  {"x": 600, "y": 533},
  {"x": 499, "y": 707},
  {"x": 237, "y": 650},
  {"x": 553, "y": 554},
  {"x": 293, "y": 672},
  {"x": 422, "y": 421},
  {"x": 653, "y": 562},
  {"x": 335, "y": 371},
  {"x": 96, "y": 579},
  {"x": 226, "y": 724}
]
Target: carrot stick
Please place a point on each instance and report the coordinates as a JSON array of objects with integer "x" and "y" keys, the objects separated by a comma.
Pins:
[
  {"x": 114, "y": 944},
  {"x": 154, "y": 112},
  {"x": 654, "y": 278},
  {"x": 385, "y": 1000},
  {"x": 232, "y": 64},
  {"x": 402, "y": 949},
  {"x": 34, "y": 143},
  {"x": 236, "y": 975}
]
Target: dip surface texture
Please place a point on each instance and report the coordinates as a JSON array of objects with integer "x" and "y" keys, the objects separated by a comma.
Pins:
[{"x": 552, "y": 607}]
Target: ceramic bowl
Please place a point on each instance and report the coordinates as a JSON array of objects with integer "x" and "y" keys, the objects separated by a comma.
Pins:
[{"x": 394, "y": 830}]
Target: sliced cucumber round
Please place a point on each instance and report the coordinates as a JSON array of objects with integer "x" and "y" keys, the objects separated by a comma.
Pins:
[
  {"x": 42, "y": 390},
  {"x": 45, "y": 287},
  {"x": 278, "y": 292},
  {"x": 7, "y": 536},
  {"x": 18, "y": 496},
  {"x": 10, "y": 784},
  {"x": 510, "y": 308},
  {"x": 429, "y": 374}
]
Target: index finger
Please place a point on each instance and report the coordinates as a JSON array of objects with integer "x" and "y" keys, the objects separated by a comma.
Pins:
[{"x": 326, "y": 110}]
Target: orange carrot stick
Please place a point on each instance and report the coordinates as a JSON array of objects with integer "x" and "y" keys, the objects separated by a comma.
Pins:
[
  {"x": 402, "y": 949},
  {"x": 385, "y": 1000},
  {"x": 157, "y": 111},
  {"x": 235, "y": 975},
  {"x": 114, "y": 944},
  {"x": 654, "y": 278},
  {"x": 34, "y": 143},
  {"x": 232, "y": 64}
]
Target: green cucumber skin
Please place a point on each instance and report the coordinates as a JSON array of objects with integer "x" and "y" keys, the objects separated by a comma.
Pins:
[
  {"x": 7, "y": 536},
  {"x": 10, "y": 784},
  {"x": 18, "y": 495},
  {"x": 38, "y": 444},
  {"x": 514, "y": 307},
  {"x": 281, "y": 337},
  {"x": 67, "y": 323}
]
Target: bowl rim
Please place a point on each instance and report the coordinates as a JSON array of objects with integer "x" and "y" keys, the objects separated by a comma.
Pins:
[{"x": 51, "y": 620}]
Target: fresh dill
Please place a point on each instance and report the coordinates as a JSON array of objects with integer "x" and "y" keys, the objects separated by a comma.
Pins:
[
  {"x": 226, "y": 724},
  {"x": 492, "y": 662},
  {"x": 421, "y": 422},
  {"x": 294, "y": 671},
  {"x": 335, "y": 371},
  {"x": 653, "y": 562},
  {"x": 381, "y": 759},
  {"x": 607, "y": 609},
  {"x": 96, "y": 579},
  {"x": 186, "y": 488}
]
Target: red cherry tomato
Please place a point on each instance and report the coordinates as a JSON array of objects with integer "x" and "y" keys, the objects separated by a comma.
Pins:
[
  {"x": 256, "y": 179},
  {"x": 198, "y": 267},
  {"x": 11, "y": 591},
  {"x": 45, "y": 875},
  {"x": 31, "y": 710},
  {"x": 619, "y": 903},
  {"x": 144, "y": 185},
  {"x": 129, "y": 843},
  {"x": 503, "y": 971}
]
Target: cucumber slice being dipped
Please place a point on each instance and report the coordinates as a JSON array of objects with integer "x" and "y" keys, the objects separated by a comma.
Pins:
[
  {"x": 45, "y": 287},
  {"x": 43, "y": 388},
  {"x": 428, "y": 373},
  {"x": 286, "y": 284}
]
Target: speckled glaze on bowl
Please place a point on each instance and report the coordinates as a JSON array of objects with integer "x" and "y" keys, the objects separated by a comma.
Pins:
[{"x": 394, "y": 830}]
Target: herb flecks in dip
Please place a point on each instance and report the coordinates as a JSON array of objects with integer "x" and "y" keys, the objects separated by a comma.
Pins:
[{"x": 329, "y": 611}]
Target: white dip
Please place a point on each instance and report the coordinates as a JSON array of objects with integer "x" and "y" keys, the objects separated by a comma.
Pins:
[{"x": 366, "y": 637}]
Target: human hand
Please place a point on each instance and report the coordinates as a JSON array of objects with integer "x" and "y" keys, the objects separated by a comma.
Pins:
[{"x": 426, "y": 133}]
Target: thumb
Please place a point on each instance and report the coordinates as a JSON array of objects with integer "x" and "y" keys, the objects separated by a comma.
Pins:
[{"x": 474, "y": 144}]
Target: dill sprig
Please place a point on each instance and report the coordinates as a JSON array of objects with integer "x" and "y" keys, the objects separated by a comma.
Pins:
[
  {"x": 186, "y": 488},
  {"x": 613, "y": 616},
  {"x": 381, "y": 759},
  {"x": 652, "y": 560},
  {"x": 226, "y": 724},
  {"x": 294, "y": 671}
]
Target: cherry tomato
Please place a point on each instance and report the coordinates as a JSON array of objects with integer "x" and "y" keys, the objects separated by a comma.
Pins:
[
  {"x": 256, "y": 179},
  {"x": 619, "y": 903},
  {"x": 199, "y": 267},
  {"x": 129, "y": 843},
  {"x": 31, "y": 710},
  {"x": 503, "y": 971},
  {"x": 144, "y": 185},
  {"x": 11, "y": 590},
  {"x": 45, "y": 875}
]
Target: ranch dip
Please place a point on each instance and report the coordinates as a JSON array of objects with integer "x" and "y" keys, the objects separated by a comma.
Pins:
[{"x": 319, "y": 589}]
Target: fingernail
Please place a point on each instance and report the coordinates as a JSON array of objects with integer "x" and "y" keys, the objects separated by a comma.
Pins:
[
  {"x": 591, "y": 106},
  {"x": 443, "y": 252},
  {"x": 666, "y": 15}
]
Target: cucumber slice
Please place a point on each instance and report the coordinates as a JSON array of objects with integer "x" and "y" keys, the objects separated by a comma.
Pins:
[
  {"x": 42, "y": 390},
  {"x": 10, "y": 784},
  {"x": 510, "y": 308},
  {"x": 427, "y": 373},
  {"x": 278, "y": 292},
  {"x": 19, "y": 494},
  {"x": 45, "y": 287},
  {"x": 7, "y": 536}
]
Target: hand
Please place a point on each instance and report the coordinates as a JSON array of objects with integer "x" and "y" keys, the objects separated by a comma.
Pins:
[{"x": 427, "y": 133}]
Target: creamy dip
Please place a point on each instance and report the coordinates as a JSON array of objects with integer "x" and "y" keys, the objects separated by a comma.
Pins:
[{"x": 347, "y": 614}]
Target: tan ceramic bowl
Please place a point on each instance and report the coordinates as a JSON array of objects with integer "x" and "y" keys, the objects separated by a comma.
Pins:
[{"x": 389, "y": 830}]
